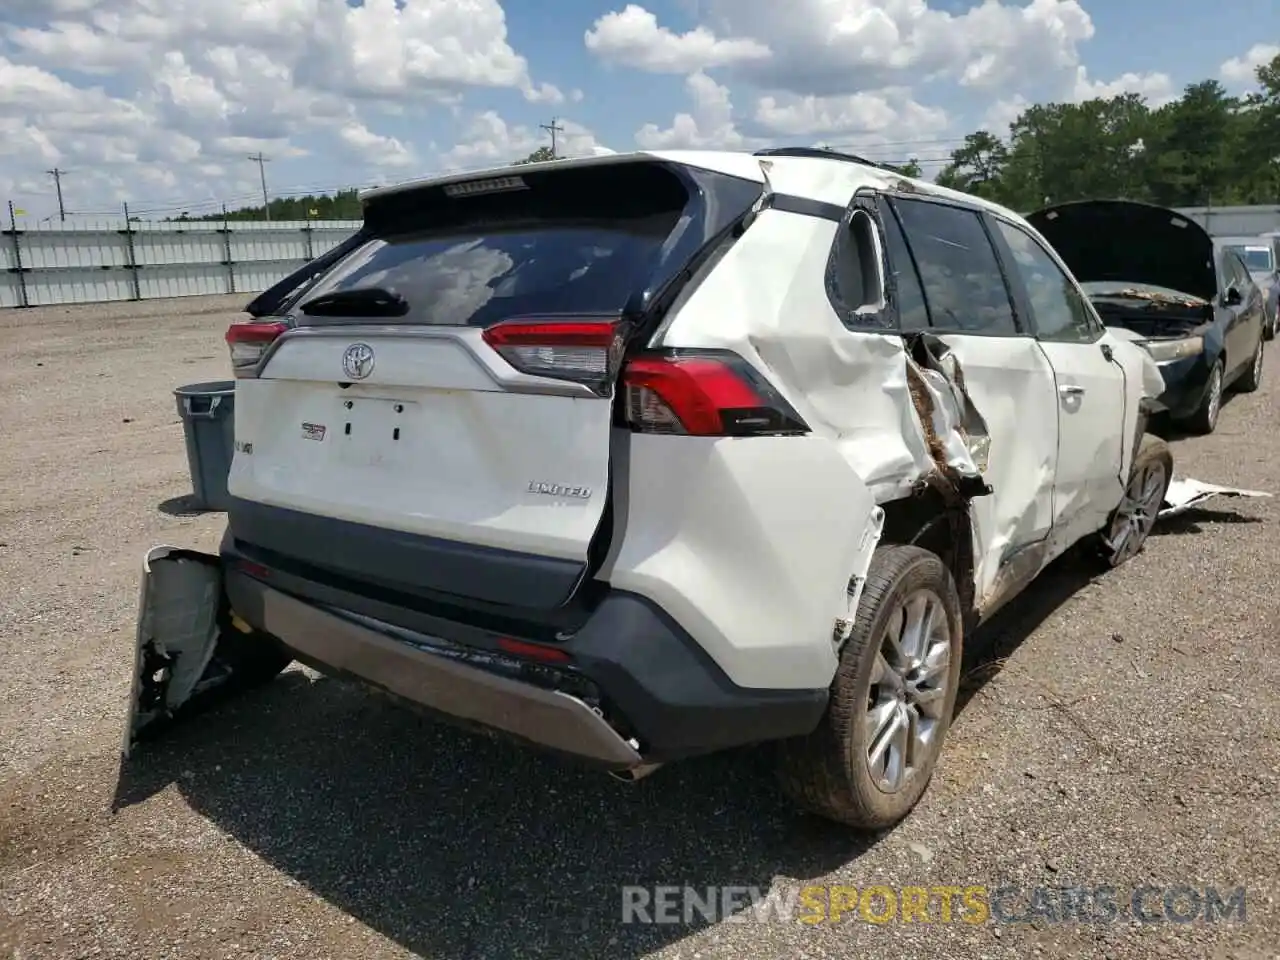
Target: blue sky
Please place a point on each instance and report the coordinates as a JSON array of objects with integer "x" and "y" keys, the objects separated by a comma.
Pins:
[
  {"x": 160, "y": 103},
  {"x": 1188, "y": 40}
]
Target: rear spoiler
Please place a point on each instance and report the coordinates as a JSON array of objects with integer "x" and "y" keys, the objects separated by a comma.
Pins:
[{"x": 270, "y": 301}]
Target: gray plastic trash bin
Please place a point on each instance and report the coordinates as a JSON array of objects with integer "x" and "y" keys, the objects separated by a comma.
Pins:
[{"x": 208, "y": 420}]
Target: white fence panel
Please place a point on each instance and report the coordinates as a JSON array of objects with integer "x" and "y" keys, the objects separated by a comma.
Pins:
[
  {"x": 94, "y": 261},
  {"x": 46, "y": 288},
  {"x": 1235, "y": 221}
]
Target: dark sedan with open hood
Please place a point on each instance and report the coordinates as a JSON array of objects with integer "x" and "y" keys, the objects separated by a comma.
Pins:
[{"x": 1155, "y": 277}]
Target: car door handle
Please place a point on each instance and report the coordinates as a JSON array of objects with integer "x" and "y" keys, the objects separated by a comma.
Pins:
[{"x": 1071, "y": 390}]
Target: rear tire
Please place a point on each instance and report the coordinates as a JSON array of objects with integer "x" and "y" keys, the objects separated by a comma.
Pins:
[
  {"x": 1130, "y": 523},
  {"x": 1252, "y": 378},
  {"x": 853, "y": 769}
]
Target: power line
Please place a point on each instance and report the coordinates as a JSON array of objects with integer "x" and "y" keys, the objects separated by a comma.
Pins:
[
  {"x": 57, "y": 184},
  {"x": 262, "y": 162},
  {"x": 553, "y": 128}
]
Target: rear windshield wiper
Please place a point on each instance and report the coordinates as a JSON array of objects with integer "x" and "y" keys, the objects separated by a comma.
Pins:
[{"x": 362, "y": 302}]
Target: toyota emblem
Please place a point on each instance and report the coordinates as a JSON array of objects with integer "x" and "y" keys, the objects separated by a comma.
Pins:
[{"x": 357, "y": 361}]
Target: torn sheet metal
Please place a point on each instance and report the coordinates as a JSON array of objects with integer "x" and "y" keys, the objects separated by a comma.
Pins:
[
  {"x": 1184, "y": 494},
  {"x": 957, "y": 433}
]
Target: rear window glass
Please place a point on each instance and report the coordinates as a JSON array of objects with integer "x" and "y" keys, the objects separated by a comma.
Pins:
[
  {"x": 478, "y": 278},
  {"x": 580, "y": 242},
  {"x": 1257, "y": 259}
]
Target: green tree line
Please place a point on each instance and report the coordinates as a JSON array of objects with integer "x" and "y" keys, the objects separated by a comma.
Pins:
[
  {"x": 1204, "y": 148},
  {"x": 343, "y": 205}
]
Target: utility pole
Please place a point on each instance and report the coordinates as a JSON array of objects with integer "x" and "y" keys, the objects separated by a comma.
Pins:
[
  {"x": 57, "y": 185},
  {"x": 262, "y": 162},
  {"x": 553, "y": 128}
]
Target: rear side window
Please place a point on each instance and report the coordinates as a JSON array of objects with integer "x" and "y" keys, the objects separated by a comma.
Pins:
[
  {"x": 574, "y": 241},
  {"x": 913, "y": 315},
  {"x": 963, "y": 285},
  {"x": 1255, "y": 257}
]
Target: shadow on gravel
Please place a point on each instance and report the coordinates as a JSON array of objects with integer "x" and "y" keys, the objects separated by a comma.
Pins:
[
  {"x": 183, "y": 506},
  {"x": 995, "y": 641},
  {"x": 1191, "y": 521},
  {"x": 1063, "y": 581},
  {"x": 457, "y": 846},
  {"x": 1166, "y": 428}
]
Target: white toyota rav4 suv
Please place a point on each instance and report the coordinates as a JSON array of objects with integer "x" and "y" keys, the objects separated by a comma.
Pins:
[{"x": 646, "y": 456}]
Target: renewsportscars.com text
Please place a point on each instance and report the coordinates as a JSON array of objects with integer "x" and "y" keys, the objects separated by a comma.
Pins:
[{"x": 969, "y": 904}]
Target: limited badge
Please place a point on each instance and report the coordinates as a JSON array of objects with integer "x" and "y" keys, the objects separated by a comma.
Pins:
[{"x": 313, "y": 431}]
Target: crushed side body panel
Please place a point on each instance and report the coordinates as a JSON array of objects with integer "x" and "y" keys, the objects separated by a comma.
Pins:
[{"x": 888, "y": 420}]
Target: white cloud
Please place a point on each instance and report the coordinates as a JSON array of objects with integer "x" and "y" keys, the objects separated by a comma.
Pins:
[
  {"x": 633, "y": 38},
  {"x": 827, "y": 48},
  {"x": 197, "y": 84},
  {"x": 491, "y": 141},
  {"x": 888, "y": 111},
  {"x": 543, "y": 93},
  {"x": 1242, "y": 71},
  {"x": 379, "y": 150},
  {"x": 874, "y": 118},
  {"x": 1157, "y": 88},
  {"x": 709, "y": 125}
]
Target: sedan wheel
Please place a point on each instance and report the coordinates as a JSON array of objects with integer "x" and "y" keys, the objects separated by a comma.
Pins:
[
  {"x": 1205, "y": 419},
  {"x": 1252, "y": 380}
]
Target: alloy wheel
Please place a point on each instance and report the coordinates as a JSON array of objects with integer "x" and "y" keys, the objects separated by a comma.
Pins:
[
  {"x": 1213, "y": 402},
  {"x": 908, "y": 691},
  {"x": 1137, "y": 512}
]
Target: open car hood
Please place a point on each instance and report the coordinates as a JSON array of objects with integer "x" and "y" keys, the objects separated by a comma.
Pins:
[{"x": 1131, "y": 242}]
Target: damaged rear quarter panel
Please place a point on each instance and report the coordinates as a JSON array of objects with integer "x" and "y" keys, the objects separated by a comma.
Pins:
[
  {"x": 767, "y": 303},
  {"x": 887, "y": 423}
]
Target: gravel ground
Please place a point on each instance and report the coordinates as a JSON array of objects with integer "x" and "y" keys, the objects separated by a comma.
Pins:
[{"x": 1116, "y": 730}]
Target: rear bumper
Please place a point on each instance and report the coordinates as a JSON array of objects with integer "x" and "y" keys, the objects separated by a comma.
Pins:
[
  {"x": 634, "y": 689},
  {"x": 556, "y": 720}
]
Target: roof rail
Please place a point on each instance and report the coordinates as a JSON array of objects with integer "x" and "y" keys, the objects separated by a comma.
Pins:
[{"x": 820, "y": 153}]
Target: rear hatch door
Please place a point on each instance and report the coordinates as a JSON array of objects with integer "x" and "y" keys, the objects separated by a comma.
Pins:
[{"x": 439, "y": 417}]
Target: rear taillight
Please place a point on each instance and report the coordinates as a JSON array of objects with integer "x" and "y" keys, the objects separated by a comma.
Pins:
[
  {"x": 249, "y": 341},
  {"x": 584, "y": 351},
  {"x": 704, "y": 394}
]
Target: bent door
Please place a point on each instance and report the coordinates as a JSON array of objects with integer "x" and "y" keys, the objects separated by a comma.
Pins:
[
  {"x": 1091, "y": 391},
  {"x": 944, "y": 260}
]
